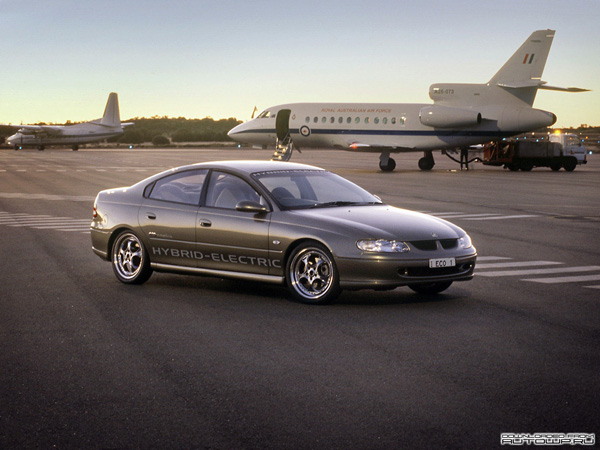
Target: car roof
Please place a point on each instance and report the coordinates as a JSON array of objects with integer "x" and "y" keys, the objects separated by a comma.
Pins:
[
  {"x": 245, "y": 168},
  {"x": 249, "y": 167}
]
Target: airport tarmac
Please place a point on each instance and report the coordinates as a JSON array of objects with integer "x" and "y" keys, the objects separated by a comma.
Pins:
[{"x": 194, "y": 362}]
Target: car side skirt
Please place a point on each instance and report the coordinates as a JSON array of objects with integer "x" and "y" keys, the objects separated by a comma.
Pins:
[{"x": 218, "y": 273}]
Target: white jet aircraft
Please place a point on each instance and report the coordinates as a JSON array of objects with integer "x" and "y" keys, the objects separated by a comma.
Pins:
[
  {"x": 461, "y": 115},
  {"x": 72, "y": 135}
]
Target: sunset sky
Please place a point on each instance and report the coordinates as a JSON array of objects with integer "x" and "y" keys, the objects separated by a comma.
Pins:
[{"x": 61, "y": 58}]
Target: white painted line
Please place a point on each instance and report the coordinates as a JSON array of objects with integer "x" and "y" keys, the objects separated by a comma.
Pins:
[
  {"x": 456, "y": 216},
  {"x": 57, "y": 226},
  {"x": 491, "y": 258},
  {"x": 592, "y": 287},
  {"x": 516, "y": 264},
  {"x": 564, "y": 279},
  {"x": 522, "y": 216},
  {"x": 47, "y": 220},
  {"x": 42, "y": 223},
  {"x": 508, "y": 273}
]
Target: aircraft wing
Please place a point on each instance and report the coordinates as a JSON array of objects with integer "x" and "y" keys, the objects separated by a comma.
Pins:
[
  {"x": 37, "y": 129},
  {"x": 377, "y": 148}
]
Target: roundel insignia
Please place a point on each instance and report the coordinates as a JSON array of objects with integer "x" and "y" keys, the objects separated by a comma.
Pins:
[{"x": 305, "y": 131}]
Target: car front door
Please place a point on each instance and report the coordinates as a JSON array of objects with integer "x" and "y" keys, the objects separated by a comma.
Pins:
[{"x": 232, "y": 240}]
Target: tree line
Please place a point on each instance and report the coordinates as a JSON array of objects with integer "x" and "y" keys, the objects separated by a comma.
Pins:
[{"x": 165, "y": 130}]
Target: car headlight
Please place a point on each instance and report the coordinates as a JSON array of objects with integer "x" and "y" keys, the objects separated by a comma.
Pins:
[
  {"x": 382, "y": 246},
  {"x": 465, "y": 241}
]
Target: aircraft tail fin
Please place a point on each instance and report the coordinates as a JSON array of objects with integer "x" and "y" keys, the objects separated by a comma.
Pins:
[
  {"x": 111, "y": 117},
  {"x": 523, "y": 71}
]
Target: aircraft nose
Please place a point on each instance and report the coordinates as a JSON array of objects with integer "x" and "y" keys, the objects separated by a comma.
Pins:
[{"x": 235, "y": 131}]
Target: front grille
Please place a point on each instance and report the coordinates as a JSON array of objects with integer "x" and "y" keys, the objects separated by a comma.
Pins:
[
  {"x": 448, "y": 244},
  {"x": 424, "y": 245},
  {"x": 429, "y": 245}
]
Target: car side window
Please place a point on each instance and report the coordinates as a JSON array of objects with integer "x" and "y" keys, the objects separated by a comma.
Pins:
[
  {"x": 184, "y": 187},
  {"x": 226, "y": 191}
]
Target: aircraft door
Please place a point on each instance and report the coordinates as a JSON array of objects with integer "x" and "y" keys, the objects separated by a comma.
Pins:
[{"x": 282, "y": 124}]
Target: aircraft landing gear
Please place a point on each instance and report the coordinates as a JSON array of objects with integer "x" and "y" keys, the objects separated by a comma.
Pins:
[
  {"x": 427, "y": 162},
  {"x": 75, "y": 147},
  {"x": 386, "y": 164},
  {"x": 41, "y": 148}
]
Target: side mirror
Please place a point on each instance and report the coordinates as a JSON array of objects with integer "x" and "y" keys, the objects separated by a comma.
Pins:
[{"x": 252, "y": 207}]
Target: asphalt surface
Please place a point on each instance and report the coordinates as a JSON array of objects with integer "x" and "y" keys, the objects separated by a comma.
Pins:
[{"x": 205, "y": 363}]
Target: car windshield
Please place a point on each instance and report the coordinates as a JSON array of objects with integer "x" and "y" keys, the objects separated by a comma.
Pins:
[{"x": 302, "y": 189}]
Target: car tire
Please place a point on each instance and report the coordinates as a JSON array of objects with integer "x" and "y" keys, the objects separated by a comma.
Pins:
[
  {"x": 130, "y": 259},
  {"x": 430, "y": 288},
  {"x": 311, "y": 274}
]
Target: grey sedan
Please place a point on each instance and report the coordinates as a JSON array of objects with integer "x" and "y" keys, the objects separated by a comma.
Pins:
[{"x": 275, "y": 222}]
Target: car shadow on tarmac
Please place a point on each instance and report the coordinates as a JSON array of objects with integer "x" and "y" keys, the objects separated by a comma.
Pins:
[{"x": 240, "y": 289}]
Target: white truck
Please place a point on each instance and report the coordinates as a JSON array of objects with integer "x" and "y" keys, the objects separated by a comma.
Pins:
[{"x": 561, "y": 150}]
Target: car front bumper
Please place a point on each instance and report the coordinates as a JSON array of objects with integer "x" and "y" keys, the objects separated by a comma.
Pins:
[{"x": 388, "y": 273}]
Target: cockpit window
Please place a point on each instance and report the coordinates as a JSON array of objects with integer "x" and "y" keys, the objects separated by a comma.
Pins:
[{"x": 265, "y": 114}]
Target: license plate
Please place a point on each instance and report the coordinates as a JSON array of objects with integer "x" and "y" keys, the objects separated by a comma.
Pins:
[{"x": 441, "y": 262}]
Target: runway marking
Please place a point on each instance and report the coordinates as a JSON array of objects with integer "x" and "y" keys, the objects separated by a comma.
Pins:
[
  {"x": 565, "y": 279},
  {"x": 461, "y": 215},
  {"x": 69, "y": 198},
  {"x": 519, "y": 216},
  {"x": 131, "y": 168},
  {"x": 480, "y": 216},
  {"x": 525, "y": 269},
  {"x": 44, "y": 222},
  {"x": 516, "y": 264},
  {"x": 491, "y": 258},
  {"x": 508, "y": 273}
]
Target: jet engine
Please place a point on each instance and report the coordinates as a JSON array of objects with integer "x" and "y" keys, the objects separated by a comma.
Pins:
[
  {"x": 448, "y": 117},
  {"x": 522, "y": 119}
]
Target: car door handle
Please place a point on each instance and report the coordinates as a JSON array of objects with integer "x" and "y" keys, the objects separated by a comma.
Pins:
[
  {"x": 205, "y": 223},
  {"x": 151, "y": 216}
]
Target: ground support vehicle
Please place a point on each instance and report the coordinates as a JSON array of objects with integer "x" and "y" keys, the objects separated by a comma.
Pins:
[{"x": 559, "y": 151}]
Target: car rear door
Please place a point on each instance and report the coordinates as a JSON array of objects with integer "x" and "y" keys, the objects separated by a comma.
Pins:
[{"x": 167, "y": 218}]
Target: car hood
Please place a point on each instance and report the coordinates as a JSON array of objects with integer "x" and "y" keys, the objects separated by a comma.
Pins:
[{"x": 380, "y": 222}]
